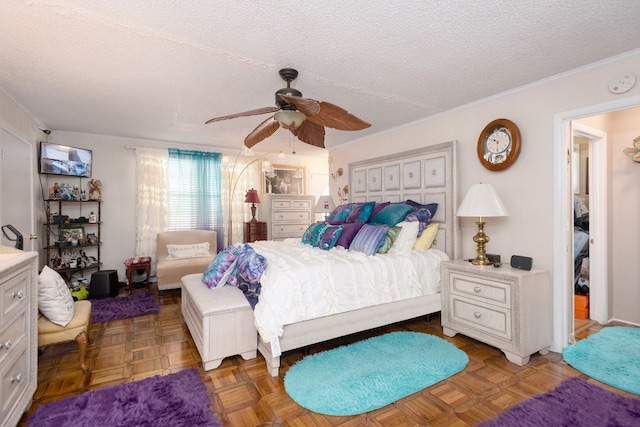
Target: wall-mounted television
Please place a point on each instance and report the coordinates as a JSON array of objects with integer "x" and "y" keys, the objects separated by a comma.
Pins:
[{"x": 56, "y": 159}]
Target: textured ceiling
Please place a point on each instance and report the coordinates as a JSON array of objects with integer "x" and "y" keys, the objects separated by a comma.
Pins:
[{"x": 159, "y": 69}]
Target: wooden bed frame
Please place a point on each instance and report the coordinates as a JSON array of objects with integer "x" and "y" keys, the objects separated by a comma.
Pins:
[{"x": 424, "y": 175}]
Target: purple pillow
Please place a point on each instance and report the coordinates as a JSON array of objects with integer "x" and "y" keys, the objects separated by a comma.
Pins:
[
  {"x": 369, "y": 239},
  {"x": 424, "y": 213},
  {"x": 361, "y": 213},
  {"x": 349, "y": 231},
  {"x": 330, "y": 236}
]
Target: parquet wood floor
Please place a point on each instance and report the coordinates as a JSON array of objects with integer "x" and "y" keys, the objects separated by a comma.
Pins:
[{"x": 243, "y": 394}]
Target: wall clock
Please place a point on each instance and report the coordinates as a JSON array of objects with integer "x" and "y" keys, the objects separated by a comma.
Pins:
[{"x": 499, "y": 144}]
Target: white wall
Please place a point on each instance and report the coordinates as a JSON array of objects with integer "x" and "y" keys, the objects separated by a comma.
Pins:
[
  {"x": 526, "y": 188},
  {"x": 114, "y": 165},
  {"x": 625, "y": 226}
]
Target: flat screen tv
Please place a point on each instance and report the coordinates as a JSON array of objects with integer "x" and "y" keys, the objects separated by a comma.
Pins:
[{"x": 56, "y": 159}]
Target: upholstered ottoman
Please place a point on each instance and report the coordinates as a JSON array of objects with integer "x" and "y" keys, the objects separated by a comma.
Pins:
[{"x": 220, "y": 321}]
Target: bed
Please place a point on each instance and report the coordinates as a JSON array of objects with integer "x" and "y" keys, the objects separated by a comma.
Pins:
[{"x": 425, "y": 176}]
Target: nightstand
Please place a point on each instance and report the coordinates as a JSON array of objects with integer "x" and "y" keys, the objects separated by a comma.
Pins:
[
  {"x": 504, "y": 307},
  {"x": 255, "y": 230}
]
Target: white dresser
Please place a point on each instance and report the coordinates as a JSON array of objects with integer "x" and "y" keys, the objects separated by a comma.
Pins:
[
  {"x": 503, "y": 307},
  {"x": 18, "y": 332},
  {"x": 286, "y": 215}
]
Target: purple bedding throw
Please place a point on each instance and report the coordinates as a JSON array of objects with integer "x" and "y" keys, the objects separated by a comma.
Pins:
[{"x": 240, "y": 266}]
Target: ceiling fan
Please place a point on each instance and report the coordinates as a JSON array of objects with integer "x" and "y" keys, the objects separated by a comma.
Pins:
[{"x": 305, "y": 118}]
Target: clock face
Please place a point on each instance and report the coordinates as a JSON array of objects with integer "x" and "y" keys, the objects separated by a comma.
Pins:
[{"x": 499, "y": 144}]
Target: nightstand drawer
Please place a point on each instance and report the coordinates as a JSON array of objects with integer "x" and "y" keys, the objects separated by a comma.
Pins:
[
  {"x": 489, "y": 319},
  {"x": 479, "y": 289},
  {"x": 289, "y": 216}
]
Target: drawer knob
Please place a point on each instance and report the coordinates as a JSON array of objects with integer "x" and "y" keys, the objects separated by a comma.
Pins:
[
  {"x": 477, "y": 314},
  {"x": 477, "y": 289},
  {"x": 6, "y": 344},
  {"x": 17, "y": 379},
  {"x": 18, "y": 294}
]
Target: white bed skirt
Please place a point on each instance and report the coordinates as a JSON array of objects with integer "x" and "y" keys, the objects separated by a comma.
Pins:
[{"x": 337, "y": 325}]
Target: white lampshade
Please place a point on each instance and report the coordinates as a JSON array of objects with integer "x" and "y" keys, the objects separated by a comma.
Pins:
[
  {"x": 481, "y": 200},
  {"x": 325, "y": 205},
  {"x": 289, "y": 119}
]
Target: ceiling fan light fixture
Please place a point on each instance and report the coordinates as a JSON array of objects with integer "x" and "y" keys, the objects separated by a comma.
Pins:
[{"x": 290, "y": 119}]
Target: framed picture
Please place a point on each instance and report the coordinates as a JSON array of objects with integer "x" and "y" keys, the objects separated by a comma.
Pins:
[
  {"x": 75, "y": 233},
  {"x": 284, "y": 180}
]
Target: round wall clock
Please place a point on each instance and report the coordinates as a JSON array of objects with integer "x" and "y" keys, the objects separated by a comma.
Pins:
[{"x": 499, "y": 144}]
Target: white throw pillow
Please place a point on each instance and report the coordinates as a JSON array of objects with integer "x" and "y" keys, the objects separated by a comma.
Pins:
[
  {"x": 406, "y": 238},
  {"x": 54, "y": 297},
  {"x": 194, "y": 250}
]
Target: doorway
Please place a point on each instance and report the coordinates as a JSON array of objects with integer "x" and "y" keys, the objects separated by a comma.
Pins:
[
  {"x": 593, "y": 254},
  {"x": 563, "y": 271},
  {"x": 16, "y": 175}
]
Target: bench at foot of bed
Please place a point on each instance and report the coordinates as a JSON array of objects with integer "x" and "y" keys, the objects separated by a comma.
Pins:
[{"x": 220, "y": 321}]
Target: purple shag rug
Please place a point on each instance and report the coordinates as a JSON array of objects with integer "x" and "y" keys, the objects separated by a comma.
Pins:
[
  {"x": 174, "y": 400},
  {"x": 103, "y": 310},
  {"x": 574, "y": 403}
]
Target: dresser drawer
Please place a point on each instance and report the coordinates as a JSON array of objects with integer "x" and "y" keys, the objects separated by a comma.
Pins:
[
  {"x": 479, "y": 289},
  {"x": 291, "y": 204},
  {"x": 488, "y": 319},
  {"x": 14, "y": 375},
  {"x": 15, "y": 294},
  {"x": 289, "y": 216},
  {"x": 14, "y": 334},
  {"x": 288, "y": 230}
]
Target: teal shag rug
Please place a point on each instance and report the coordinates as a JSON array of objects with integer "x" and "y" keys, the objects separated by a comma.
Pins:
[
  {"x": 373, "y": 373},
  {"x": 611, "y": 356}
]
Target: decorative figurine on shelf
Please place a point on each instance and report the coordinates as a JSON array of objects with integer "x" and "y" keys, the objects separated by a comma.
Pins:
[
  {"x": 95, "y": 189},
  {"x": 54, "y": 192},
  {"x": 83, "y": 195}
]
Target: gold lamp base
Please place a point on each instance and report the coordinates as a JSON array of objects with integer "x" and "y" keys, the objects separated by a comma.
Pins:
[{"x": 481, "y": 240}]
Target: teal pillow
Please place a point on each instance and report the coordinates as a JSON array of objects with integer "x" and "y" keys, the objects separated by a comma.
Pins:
[
  {"x": 392, "y": 214},
  {"x": 369, "y": 239},
  {"x": 318, "y": 233},
  {"x": 361, "y": 214},
  {"x": 341, "y": 212},
  {"x": 309, "y": 236}
]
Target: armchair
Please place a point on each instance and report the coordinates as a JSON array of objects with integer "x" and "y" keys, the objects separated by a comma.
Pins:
[{"x": 169, "y": 272}]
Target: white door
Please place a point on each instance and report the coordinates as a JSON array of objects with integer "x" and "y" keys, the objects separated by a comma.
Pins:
[{"x": 17, "y": 169}]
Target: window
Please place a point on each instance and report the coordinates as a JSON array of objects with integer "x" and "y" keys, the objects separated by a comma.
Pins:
[{"x": 195, "y": 191}]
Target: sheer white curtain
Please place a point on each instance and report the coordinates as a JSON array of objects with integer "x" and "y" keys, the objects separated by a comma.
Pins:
[
  {"x": 243, "y": 173},
  {"x": 152, "y": 201}
]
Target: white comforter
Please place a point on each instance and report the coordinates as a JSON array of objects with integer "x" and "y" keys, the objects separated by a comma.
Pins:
[{"x": 301, "y": 282}]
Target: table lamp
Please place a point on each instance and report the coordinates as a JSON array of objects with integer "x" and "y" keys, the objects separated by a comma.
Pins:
[
  {"x": 252, "y": 197},
  {"x": 481, "y": 201},
  {"x": 325, "y": 206}
]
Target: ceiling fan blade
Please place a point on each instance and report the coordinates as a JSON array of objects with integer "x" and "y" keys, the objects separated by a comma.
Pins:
[
  {"x": 263, "y": 110},
  {"x": 263, "y": 131},
  {"x": 306, "y": 106},
  {"x": 338, "y": 118},
  {"x": 311, "y": 133}
]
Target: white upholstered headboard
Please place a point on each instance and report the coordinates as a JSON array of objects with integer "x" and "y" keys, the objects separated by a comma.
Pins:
[{"x": 426, "y": 175}]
